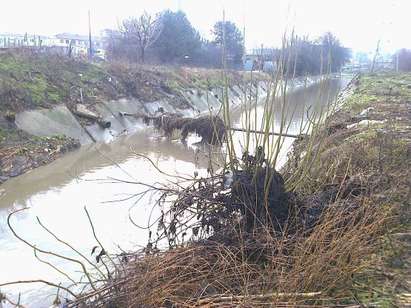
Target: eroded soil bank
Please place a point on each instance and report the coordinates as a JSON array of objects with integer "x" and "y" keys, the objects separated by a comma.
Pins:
[
  {"x": 346, "y": 241},
  {"x": 41, "y": 96}
]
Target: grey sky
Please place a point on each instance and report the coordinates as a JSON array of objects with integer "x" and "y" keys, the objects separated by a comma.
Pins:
[{"x": 358, "y": 23}]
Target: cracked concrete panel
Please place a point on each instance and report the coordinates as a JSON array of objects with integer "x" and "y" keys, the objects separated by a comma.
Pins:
[{"x": 51, "y": 122}]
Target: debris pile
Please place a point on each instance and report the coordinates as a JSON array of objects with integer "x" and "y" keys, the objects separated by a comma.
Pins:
[
  {"x": 34, "y": 152},
  {"x": 210, "y": 128},
  {"x": 82, "y": 111},
  {"x": 247, "y": 237}
]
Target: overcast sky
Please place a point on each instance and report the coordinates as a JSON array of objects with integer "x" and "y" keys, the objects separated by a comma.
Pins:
[{"x": 359, "y": 24}]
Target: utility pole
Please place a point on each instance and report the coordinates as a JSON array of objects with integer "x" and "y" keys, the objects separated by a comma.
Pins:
[
  {"x": 90, "y": 50},
  {"x": 244, "y": 48},
  {"x": 375, "y": 56},
  {"x": 262, "y": 58},
  {"x": 224, "y": 63}
]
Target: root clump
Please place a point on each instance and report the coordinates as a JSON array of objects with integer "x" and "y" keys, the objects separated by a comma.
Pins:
[
  {"x": 248, "y": 237},
  {"x": 210, "y": 128}
]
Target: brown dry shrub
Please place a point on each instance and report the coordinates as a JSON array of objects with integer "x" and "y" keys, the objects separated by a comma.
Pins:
[{"x": 257, "y": 269}]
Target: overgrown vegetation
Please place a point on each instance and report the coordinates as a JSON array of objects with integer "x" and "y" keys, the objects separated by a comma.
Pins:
[
  {"x": 322, "y": 232},
  {"x": 29, "y": 80},
  {"x": 316, "y": 235},
  {"x": 363, "y": 152}
]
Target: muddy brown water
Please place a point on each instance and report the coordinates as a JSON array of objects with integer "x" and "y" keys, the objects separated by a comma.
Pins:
[{"x": 58, "y": 192}]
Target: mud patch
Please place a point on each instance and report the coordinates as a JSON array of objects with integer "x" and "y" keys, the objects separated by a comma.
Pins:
[{"x": 20, "y": 156}]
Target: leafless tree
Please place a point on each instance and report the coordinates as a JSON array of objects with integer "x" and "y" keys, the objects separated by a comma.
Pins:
[{"x": 143, "y": 31}]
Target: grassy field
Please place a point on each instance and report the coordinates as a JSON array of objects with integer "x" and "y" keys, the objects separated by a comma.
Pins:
[{"x": 31, "y": 80}]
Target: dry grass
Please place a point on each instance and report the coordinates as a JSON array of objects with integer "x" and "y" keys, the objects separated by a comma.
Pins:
[{"x": 314, "y": 266}]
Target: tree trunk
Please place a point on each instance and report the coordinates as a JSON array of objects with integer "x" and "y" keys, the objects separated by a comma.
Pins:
[{"x": 143, "y": 50}]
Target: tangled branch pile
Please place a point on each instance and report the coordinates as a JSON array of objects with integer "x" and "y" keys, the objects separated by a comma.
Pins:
[
  {"x": 210, "y": 128},
  {"x": 251, "y": 244}
]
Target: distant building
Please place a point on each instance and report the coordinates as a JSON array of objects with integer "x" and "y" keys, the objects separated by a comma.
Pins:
[
  {"x": 9, "y": 40},
  {"x": 79, "y": 44},
  {"x": 65, "y": 43},
  {"x": 365, "y": 62},
  {"x": 260, "y": 60}
]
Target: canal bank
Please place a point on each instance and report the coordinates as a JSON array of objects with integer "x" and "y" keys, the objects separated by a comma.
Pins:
[
  {"x": 46, "y": 113},
  {"x": 346, "y": 241},
  {"x": 360, "y": 161},
  {"x": 51, "y": 104}
]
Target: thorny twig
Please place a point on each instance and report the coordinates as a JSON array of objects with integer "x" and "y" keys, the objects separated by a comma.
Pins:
[
  {"x": 49, "y": 252},
  {"x": 98, "y": 241},
  {"x": 39, "y": 281},
  {"x": 71, "y": 247}
]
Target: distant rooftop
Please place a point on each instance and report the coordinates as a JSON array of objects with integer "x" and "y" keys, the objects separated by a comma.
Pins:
[
  {"x": 70, "y": 36},
  {"x": 22, "y": 35},
  {"x": 63, "y": 36}
]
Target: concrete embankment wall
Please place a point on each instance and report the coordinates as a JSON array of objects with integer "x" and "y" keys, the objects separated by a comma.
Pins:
[
  {"x": 61, "y": 121},
  {"x": 51, "y": 122}
]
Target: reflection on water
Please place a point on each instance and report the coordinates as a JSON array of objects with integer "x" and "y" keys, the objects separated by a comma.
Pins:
[
  {"x": 57, "y": 194},
  {"x": 93, "y": 158},
  {"x": 292, "y": 113}
]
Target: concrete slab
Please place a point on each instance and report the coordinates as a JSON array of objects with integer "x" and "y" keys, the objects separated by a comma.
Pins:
[{"x": 51, "y": 122}]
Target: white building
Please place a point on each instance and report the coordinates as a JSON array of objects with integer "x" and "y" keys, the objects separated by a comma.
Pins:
[
  {"x": 73, "y": 44},
  {"x": 10, "y": 40}
]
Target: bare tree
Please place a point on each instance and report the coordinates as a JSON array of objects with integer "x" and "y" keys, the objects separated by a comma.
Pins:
[{"x": 143, "y": 31}]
